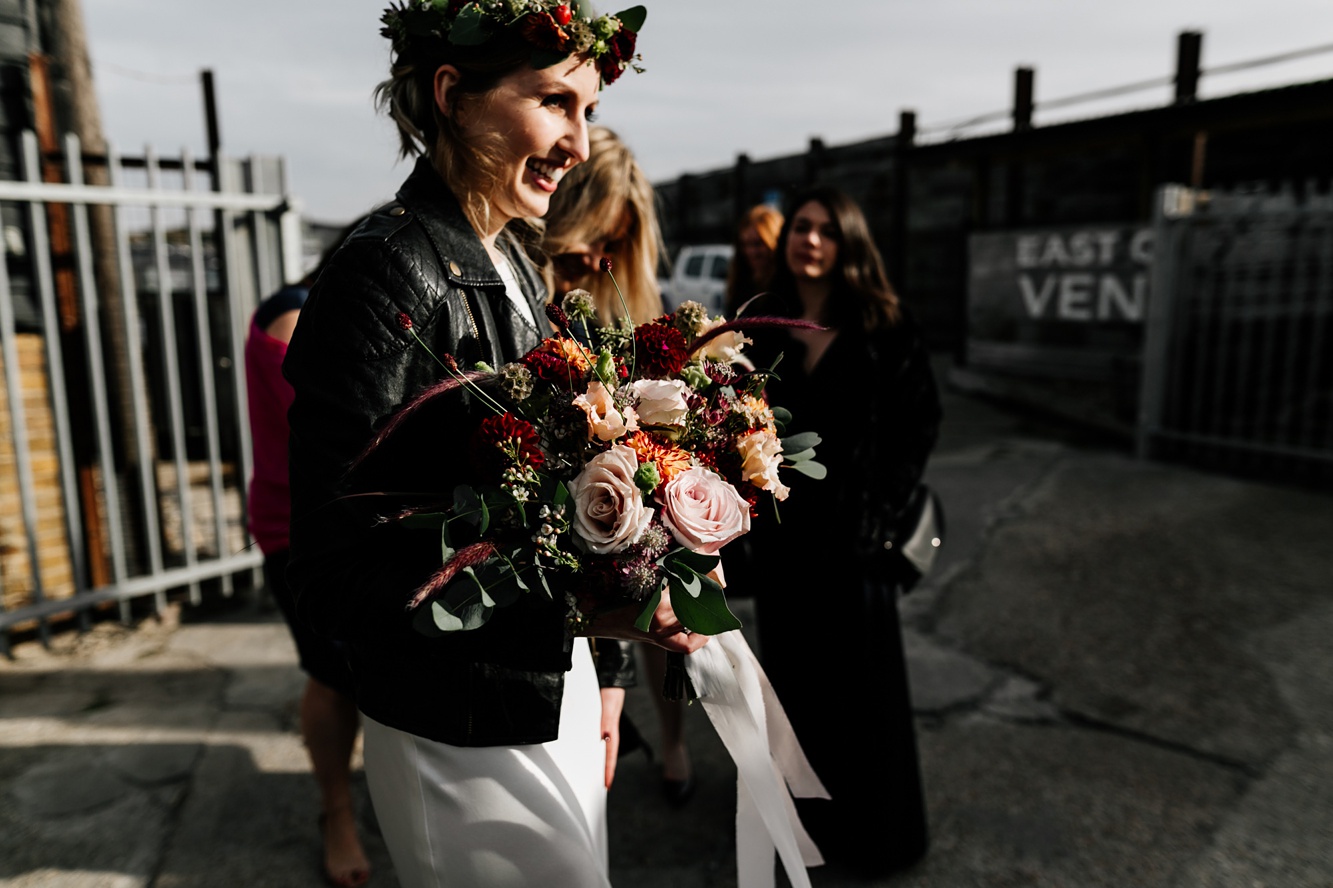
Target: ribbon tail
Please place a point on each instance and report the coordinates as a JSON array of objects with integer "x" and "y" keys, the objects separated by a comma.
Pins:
[{"x": 734, "y": 693}]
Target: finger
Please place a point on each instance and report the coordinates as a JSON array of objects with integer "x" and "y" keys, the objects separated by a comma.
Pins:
[{"x": 612, "y": 739}]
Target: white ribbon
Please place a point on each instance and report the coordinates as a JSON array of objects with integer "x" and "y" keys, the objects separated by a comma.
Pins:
[{"x": 753, "y": 726}]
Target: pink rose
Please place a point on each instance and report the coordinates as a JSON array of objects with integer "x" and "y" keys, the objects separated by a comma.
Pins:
[
  {"x": 605, "y": 421},
  {"x": 702, "y": 511},
  {"x": 609, "y": 514},
  {"x": 761, "y": 454}
]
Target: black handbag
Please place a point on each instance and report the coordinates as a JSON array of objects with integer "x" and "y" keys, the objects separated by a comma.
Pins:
[{"x": 915, "y": 539}]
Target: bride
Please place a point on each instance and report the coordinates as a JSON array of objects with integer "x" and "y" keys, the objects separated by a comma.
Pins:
[{"x": 484, "y": 750}]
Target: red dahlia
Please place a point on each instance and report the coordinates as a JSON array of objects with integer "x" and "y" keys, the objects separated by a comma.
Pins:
[
  {"x": 541, "y": 30},
  {"x": 498, "y": 436},
  {"x": 660, "y": 350}
]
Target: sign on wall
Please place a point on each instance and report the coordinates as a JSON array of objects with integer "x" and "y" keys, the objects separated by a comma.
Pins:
[{"x": 1058, "y": 301}]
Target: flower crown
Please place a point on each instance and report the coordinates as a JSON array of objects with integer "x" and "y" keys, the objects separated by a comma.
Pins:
[{"x": 556, "y": 29}]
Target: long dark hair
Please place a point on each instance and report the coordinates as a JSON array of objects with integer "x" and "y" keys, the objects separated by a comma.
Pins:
[{"x": 861, "y": 293}]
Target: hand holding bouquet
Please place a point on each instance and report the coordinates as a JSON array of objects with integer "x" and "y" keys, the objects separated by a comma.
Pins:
[{"x": 616, "y": 464}]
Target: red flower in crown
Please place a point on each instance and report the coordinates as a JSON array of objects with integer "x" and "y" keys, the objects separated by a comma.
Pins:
[
  {"x": 659, "y": 350},
  {"x": 563, "y": 14},
  {"x": 621, "y": 45},
  {"x": 542, "y": 31},
  {"x": 505, "y": 440}
]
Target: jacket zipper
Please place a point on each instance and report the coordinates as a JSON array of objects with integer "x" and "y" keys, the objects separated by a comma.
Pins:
[{"x": 467, "y": 307}]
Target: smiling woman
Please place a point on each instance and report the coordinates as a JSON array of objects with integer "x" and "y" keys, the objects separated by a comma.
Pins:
[{"x": 488, "y": 752}]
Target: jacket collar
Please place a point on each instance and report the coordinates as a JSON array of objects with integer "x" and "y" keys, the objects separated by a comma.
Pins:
[{"x": 462, "y": 256}]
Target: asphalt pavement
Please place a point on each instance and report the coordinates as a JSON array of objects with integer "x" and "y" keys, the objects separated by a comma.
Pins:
[{"x": 1123, "y": 674}]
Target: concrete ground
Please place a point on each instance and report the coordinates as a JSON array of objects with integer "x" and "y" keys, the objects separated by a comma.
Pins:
[{"x": 1123, "y": 673}]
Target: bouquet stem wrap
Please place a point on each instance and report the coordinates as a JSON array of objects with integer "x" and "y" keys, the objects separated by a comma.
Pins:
[{"x": 748, "y": 717}]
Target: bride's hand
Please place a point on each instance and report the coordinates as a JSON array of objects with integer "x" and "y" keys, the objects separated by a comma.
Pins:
[{"x": 664, "y": 630}]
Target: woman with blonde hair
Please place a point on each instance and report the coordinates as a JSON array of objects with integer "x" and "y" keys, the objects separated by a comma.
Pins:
[
  {"x": 487, "y": 752},
  {"x": 605, "y": 210},
  {"x": 753, "y": 262}
]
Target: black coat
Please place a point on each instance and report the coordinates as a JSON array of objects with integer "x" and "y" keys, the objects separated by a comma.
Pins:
[{"x": 352, "y": 366}]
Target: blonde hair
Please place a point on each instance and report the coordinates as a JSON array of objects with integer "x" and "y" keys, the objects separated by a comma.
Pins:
[
  {"x": 469, "y": 167},
  {"x": 590, "y": 202}
]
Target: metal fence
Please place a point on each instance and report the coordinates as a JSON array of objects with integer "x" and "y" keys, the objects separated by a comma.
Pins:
[
  {"x": 124, "y": 439},
  {"x": 1237, "y": 370}
]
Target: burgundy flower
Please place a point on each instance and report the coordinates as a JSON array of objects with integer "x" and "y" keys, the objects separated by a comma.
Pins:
[
  {"x": 544, "y": 32},
  {"x": 496, "y": 434},
  {"x": 621, "y": 46},
  {"x": 557, "y": 315},
  {"x": 558, "y": 361},
  {"x": 720, "y": 373},
  {"x": 605, "y": 264},
  {"x": 404, "y": 320},
  {"x": 659, "y": 350}
]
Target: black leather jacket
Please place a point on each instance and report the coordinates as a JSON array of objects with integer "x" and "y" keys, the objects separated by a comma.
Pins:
[{"x": 352, "y": 365}]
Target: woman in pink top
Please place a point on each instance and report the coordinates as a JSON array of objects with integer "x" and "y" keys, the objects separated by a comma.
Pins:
[{"x": 329, "y": 719}]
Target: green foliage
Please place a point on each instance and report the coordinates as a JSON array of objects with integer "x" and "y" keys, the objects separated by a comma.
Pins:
[
  {"x": 800, "y": 441},
  {"x": 815, "y": 470},
  {"x": 633, "y": 18},
  {"x": 700, "y": 603},
  {"x": 469, "y": 27},
  {"x": 644, "y": 622}
]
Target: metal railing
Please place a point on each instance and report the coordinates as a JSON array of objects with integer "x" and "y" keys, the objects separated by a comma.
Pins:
[
  {"x": 139, "y": 486},
  {"x": 1237, "y": 364}
]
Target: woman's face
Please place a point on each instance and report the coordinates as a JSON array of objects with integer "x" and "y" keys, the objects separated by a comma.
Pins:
[
  {"x": 578, "y": 260},
  {"x": 812, "y": 245},
  {"x": 758, "y": 255},
  {"x": 539, "y": 122}
]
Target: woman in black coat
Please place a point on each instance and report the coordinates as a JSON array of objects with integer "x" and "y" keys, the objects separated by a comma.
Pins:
[{"x": 826, "y": 600}]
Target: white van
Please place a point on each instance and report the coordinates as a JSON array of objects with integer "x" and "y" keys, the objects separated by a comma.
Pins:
[{"x": 700, "y": 274}]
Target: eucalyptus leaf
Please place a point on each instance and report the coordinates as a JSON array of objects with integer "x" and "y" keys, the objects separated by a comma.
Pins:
[
  {"x": 800, "y": 441},
  {"x": 443, "y": 620},
  {"x": 705, "y": 612},
  {"x": 781, "y": 414},
  {"x": 485, "y": 515},
  {"x": 645, "y": 620},
  {"x": 469, "y": 28},
  {"x": 561, "y": 494},
  {"x": 815, "y": 470},
  {"x": 632, "y": 19},
  {"x": 467, "y": 504},
  {"x": 799, "y": 457},
  {"x": 446, "y": 551}
]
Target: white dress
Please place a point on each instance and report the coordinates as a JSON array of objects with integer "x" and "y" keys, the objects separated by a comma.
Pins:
[{"x": 497, "y": 816}]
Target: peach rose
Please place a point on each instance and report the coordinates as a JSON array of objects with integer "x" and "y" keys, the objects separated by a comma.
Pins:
[
  {"x": 761, "y": 454},
  {"x": 609, "y": 514},
  {"x": 661, "y": 401},
  {"x": 606, "y": 422},
  {"x": 702, "y": 511},
  {"x": 725, "y": 347}
]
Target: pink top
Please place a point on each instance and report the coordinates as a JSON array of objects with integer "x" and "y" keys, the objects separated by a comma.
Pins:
[{"x": 270, "y": 396}]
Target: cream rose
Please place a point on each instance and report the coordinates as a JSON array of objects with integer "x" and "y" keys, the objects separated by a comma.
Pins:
[
  {"x": 702, "y": 511},
  {"x": 725, "y": 346},
  {"x": 661, "y": 401},
  {"x": 761, "y": 454},
  {"x": 609, "y": 514},
  {"x": 606, "y": 422}
]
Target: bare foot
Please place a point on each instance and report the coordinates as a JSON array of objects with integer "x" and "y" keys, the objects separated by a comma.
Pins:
[{"x": 345, "y": 862}]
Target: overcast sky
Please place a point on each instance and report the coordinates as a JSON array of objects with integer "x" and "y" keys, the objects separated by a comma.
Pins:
[{"x": 294, "y": 77}]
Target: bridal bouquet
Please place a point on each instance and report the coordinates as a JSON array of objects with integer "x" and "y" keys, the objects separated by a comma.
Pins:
[{"x": 616, "y": 463}]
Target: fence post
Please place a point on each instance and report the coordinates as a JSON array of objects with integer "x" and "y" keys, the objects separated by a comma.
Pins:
[
  {"x": 1189, "y": 54},
  {"x": 1173, "y": 203},
  {"x": 902, "y": 147},
  {"x": 1024, "y": 82}
]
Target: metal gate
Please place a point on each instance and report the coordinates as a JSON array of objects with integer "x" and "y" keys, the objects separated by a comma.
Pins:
[
  {"x": 1237, "y": 370},
  {"x": 124, "y": 439}
]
